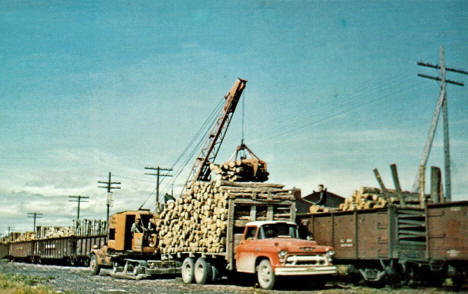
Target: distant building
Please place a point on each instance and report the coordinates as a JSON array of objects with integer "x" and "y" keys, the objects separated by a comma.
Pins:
[{"x": 321, "y": 197}]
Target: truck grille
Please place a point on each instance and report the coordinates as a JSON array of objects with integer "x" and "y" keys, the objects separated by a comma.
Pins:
[{"x": 306, "y": 260}]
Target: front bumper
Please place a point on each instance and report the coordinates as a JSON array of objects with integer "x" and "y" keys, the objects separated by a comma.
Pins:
[{"x": 305, "y": 270}]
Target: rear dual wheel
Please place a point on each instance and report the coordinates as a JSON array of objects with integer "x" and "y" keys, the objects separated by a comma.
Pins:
[
  {"x": 201, "y": 271},
  {"x": 188, "y": 267}
]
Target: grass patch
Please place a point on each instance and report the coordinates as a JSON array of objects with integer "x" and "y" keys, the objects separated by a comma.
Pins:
[{"x": 23, "y": 284}]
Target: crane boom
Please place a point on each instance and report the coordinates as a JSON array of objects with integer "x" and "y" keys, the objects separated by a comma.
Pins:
[{"x": 201, "y": 168}]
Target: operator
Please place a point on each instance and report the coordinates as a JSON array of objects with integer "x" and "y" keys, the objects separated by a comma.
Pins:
[
  {"x": 323, "y": 195},
  {"x": 137, "y": 226}
]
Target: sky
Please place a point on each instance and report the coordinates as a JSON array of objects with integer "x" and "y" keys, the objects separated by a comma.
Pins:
[{"x": 89, "y": 87}]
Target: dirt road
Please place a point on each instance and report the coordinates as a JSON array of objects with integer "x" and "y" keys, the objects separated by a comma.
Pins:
[{"x": 78, "y": 279}]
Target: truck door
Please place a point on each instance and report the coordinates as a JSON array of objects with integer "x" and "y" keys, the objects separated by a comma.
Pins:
[{"x": 245, "y": 253}]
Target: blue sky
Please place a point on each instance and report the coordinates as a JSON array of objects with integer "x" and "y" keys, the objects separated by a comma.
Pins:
[{"x": 332, "y": 93}]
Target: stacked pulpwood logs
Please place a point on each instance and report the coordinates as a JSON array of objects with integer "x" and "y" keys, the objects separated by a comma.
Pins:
[
  {"x": 10, "y": 237},
  {"x": 49, "y": 232},
  {"x": 90, "y": 227},
  {"x": 26, "y": 236},
  {"x": 247, "y": 170},
  {"x": 83, "y": 227},
  {"x": 369, "y": 198},
  {"x": 364, "y": 198},
  {"x": 197, "y": 222}
]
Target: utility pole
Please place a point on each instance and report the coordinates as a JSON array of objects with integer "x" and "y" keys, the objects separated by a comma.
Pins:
[
  {"x": 158, "y": 175},
  {"x": 78, "y": 199},
  {"x": 34, "y": 215},
  {"x": 442, "y": 103},
  {"x": 109, "y": 186}
]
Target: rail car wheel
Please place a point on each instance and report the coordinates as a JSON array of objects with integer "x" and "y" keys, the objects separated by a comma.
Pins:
[
  {"x": 202, "y": 271},
  {"x": 265, "y": 275},
  {"x": 94, "y": 265},
  {"x": 188, "y": 267}
]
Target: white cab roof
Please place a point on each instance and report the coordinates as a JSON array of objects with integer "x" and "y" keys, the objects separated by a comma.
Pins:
[{"x": 261, "y": 223}]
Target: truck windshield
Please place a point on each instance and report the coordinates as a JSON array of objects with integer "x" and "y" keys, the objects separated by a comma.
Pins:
[{"x": 269, "y": 231}]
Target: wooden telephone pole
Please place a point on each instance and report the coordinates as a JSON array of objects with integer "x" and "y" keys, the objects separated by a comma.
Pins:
[
  {"x": 34, "y": 215},
  {"x": 109, "y": 186},
  {"x": 441, "y": 104},
  {"x": 78, "y": 199},
  {"x": 158, "y": 175}
]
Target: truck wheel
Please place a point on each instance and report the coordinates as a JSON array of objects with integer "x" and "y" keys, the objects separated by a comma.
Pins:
[
  {"x": 202, "y": 271},
  {"x": 215, "y": 274},
  {"x": 94, "y": 265},
  {"x": 187, "y": 270},
  {"x": 265, "y": 275}
]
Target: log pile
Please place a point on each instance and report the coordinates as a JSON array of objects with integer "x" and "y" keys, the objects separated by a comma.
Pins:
[
  {"x": 314, "y": 208},
  {"x": 26, "y": 236},
  {"x": 83, "y": 227},
  {"x": 10, "y": 237},
  {"x": 245, "y": 170},
  {"x": 49, "y": 232},
  {"x": 197, "y": 222},
  {"x": 90, "y": 227},
  {"x": 370, "y": 197}
]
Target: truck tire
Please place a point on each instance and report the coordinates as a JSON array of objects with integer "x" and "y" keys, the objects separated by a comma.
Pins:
[
  {"x": 94, "y": 265},
  {"x": 215, "y": 274},
  {"x": 265, "y": 275},
  {"x": 202, "y": 271},
  {"x": 188, "y": 267}
]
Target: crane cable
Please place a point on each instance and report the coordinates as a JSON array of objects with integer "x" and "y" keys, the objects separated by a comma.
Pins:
[
  {"x": 243, "y": 119},
  {"x": 186, "y": 149}
]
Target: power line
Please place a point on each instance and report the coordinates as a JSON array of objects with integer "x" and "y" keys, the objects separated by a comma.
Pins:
[
  {"x": 109, "y": 186},
  {"x": 324, "y": 117},
  {"x": 210, "y": 118},
  {"x": 353, "y": 102},
  {"x": 34, "y": 215}
]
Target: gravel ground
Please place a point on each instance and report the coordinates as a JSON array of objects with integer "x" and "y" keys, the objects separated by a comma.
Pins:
[{"x": 79, "y": 280}]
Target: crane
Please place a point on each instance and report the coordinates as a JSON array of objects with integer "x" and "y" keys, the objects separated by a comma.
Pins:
[{"x": 201, "y": 168}]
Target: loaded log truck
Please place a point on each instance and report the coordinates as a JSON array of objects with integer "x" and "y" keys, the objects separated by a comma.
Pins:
[{"x": 260, "y": 235}]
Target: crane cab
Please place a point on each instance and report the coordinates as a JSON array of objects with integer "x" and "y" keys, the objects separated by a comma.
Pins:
[{"x": 121, "y": 237}]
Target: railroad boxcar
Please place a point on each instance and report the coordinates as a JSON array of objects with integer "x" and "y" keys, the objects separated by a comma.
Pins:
[{"x": 396, "y": 244}]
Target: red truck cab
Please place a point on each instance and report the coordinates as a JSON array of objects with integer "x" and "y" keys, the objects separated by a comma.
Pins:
[{"x": 272, "y": 248}]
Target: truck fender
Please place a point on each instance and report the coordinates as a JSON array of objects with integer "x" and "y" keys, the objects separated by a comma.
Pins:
[{"x": 258, "y": 260}]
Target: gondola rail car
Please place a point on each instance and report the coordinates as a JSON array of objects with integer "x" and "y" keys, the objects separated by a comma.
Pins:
[
  {"x": 395, "y": 244},
  {"x": 72, "y": 250}
]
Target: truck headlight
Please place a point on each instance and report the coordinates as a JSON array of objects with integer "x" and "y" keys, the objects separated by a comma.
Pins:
[
  {"x": 282, "y": 254},
  {"x": 330, "y": 254}
]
